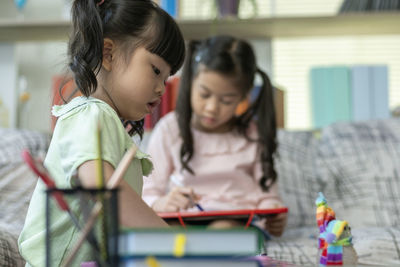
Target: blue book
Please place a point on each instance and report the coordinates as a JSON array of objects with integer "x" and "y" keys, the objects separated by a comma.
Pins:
[
  {"x": 380, "y": 92},
  {"x": 192, "y": 261},
  {"x": 340, "y": 93},
  {"x": 171, "y": 6},
  {"x": 362, "y": 99},
  {"x": 370, "y": 96},
  {"x": 318, "y": 97},
  {"x": 194, "y": 241},
  {"x": 330, "y": 95}
]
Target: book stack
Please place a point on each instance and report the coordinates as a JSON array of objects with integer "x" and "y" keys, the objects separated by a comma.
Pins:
[
  {"x": 196, "y": 246},
  {"x": 342, "y": 93},
  {"x": 369, "y": 6}
]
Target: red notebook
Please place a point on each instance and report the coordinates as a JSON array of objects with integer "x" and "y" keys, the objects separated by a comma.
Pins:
[{"x": 204, "y": 216}]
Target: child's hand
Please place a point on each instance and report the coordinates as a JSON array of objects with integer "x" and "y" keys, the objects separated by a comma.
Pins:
[
  {"x": 179, "y": 198},
  {"x": 275, "y": 224}
]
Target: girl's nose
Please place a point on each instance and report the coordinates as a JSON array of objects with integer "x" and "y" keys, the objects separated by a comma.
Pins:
[
  {"x": 161, "y": 87},
  {"x": 212, "y": 105}
]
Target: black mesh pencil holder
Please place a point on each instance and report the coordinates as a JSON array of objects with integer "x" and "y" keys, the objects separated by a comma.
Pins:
[{"x": 91, "y": 218}]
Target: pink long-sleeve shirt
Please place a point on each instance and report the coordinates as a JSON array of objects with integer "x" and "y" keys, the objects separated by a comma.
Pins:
[{"x": 226, "y": 166}]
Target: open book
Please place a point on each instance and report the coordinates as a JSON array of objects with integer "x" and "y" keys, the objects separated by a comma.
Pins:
[{"x": 199, "y": 217}]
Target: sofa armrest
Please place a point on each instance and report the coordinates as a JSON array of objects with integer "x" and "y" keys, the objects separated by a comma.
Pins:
[{"x": 9, "y": 254}]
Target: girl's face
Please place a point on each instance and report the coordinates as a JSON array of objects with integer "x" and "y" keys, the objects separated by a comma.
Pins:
[
  {"x": 214, "y": 100},
  {"x": 136, "y": 86}
]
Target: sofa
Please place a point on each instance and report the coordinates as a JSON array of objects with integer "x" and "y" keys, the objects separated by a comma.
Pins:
[
  {"x": 355, "y": 165},
  {"x": 17, "y": 183}
]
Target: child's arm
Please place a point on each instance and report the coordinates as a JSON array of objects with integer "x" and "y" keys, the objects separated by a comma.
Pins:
[
  {"x": 134, "y": 212},
  {"x": 275, "y": 224},
  {"x": 178, "y": 198},
  {"x": 162, "y": 148}
]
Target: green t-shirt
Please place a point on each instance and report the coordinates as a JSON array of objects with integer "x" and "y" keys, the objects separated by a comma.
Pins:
[{"x": 73, "y": 143}]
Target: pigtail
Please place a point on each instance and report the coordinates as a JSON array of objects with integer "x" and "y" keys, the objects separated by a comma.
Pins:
[
  {"x": 266, "y": 125},
  {"x": 136, "y": 127},
  {"x": 184, "y": 108},
  {"x": 86, "y": 44}
]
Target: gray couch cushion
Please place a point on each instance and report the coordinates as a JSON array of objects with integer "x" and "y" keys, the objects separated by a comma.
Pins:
[
  {"x": 362, "y": 167},
  {"x": 17, "y": 183},
  {"x": 13, "y": 141},
  {"x": 297, "y": 173},
  {"x": 376, "y": 246},
  {"x": 355, "y": 165},
  {"x": 9, "y": 255}
]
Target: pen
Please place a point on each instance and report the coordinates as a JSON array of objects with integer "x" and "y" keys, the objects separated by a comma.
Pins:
[
  {"x": 199, "y": 207},
  {"x": 175, "y": 180}
]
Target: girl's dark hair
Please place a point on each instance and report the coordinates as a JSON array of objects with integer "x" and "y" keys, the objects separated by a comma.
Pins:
[
  {"x": 132, "y": 23},
  {"x": 233, "y": 58}
]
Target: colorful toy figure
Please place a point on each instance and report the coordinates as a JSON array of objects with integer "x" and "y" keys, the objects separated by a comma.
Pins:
[{"x": 335, "y": 239}]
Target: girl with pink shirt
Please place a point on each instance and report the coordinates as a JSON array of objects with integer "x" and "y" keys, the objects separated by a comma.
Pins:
[{"x": 204, "y": 151}]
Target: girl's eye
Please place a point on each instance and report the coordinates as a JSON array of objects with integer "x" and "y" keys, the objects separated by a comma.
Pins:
[
  {"x": 204, "y": 96},
  {"x": 225, "y": 102},
  {"x": 156, "y": 70}
]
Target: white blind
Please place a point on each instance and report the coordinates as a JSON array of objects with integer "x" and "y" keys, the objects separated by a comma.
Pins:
[{"x": 294, "y": 57}]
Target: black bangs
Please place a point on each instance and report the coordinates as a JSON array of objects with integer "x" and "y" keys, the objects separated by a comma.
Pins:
[
  {"x": 133, "y": 23},
  {"x": 168, "y": 42},
  {"x": 222, "y": 62}
]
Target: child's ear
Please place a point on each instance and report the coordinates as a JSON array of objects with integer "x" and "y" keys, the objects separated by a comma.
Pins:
[{"x": 108, "y": 51}]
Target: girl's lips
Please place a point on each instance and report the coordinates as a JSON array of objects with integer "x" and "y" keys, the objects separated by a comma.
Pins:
[
  {"x": 209, "y": 120},
  {"x": 152, "y": 105}
]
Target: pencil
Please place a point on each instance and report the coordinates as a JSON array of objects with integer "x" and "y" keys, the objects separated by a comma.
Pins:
[
  {"x": 114, "y": 181},
  {"x": 100, "y": 185},
  {"x": 99, "y": 161},
  {"x": 178, "y": 183}
]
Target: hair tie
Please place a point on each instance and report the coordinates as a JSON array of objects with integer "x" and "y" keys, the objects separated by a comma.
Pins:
[
  {"x": 200, "y": 54},
  {"x": 100, "y": 3},
  {"x": 107, "y": 16}
]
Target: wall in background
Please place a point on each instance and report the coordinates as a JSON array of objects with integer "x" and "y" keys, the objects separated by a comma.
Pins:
[
  {"x": 205, "y": 9},
  {"x": 189, "y": 9},
  {"x": 294, "y": 57},
  {"x": 8, "y": 72},
  {"x": 38, "y": 63},
  {"x": 291, "y": 58},
  {"x": 33, "y": 9}
]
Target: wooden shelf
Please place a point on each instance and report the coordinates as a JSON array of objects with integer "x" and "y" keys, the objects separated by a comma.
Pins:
[
  {"x": 349, "y": 24},
  {"x": 352, "y": 24},
  {"x": 34, "y": 30}
]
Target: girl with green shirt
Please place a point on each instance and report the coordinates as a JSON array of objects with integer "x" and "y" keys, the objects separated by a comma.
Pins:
[{"x": 120, "y": 53}]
